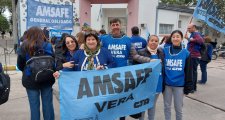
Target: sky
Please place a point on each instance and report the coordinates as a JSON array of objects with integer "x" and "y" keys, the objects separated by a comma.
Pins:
[{"x": 7, "y": 14}]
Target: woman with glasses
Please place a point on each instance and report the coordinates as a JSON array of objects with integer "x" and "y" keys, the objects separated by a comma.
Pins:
[
  {"x": 92, "y": 57},
  {"x": 69, "y": 47}
]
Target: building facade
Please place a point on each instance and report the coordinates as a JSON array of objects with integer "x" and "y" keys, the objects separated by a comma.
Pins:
[{"x": 150, "y": 16}]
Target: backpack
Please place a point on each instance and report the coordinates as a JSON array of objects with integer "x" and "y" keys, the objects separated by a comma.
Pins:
[
  {"x": 204, "y": 52},
  {"x": 42, "y": 66},
  {"x": 4, "y": 87}
]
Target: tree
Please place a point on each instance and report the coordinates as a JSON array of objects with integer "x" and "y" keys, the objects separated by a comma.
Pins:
[
  {"x": 4, "y": 24},
  {"x": 221, "y": 5},
  {"x": 4, "y": 4},
  {"x": 179, "y": 2}
]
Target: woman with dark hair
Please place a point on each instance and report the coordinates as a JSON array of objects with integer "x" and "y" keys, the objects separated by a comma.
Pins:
[
  {"x": 178, "y": 75},
  {"x": 69, "y": 47},
  {"x": 93, "y": 57},
  {"x": 34, "y": 41},
  {"x": 154, "y": 52},
  {"x": 163, "y": 42}
]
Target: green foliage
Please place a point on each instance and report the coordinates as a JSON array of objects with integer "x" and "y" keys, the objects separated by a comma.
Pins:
[
  {"x": 4, "y": 4},
  {"x": 179, "y": 2},
  {"x": 4, "y": 24},
  {"x": 221, "y": 5}
]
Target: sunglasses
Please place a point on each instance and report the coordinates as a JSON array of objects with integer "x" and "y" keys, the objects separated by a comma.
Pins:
[
  {"x": 91, "y": 33},
  {"x": 72, "y": 42}
]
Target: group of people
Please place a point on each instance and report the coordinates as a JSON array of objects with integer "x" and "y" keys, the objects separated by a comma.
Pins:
[{"x": 112, "y": 50}]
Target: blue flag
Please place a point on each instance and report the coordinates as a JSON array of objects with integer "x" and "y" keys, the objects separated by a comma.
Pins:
[
  {"x": 49, "y": 15},
  {"x": 108, "y": 94},
  {"x": 211, "y": 13}
]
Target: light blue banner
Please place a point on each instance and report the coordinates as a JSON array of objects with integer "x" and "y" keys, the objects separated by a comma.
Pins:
[
  {"x": 49, "y": 15},
  {"x": 108, "y": 94},
  {"x": 211, "y": 13},
  {"x": 58, "y": 33}
]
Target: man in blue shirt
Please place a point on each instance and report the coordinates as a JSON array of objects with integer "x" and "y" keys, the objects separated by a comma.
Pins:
[
  {"x": 120, "y": 46},
  {"x": 118, "y": 43},
  {"x": 136, "y": 40}
]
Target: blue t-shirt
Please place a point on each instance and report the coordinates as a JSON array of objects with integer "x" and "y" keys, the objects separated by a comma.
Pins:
[
  {"x": 138, "y": 42},
  {"x": 174, "y": 67},
  {"x": 119, "y": 48}
]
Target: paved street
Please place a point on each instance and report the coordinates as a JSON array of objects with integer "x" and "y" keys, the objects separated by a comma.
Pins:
[{"x": 208, "y": 103}]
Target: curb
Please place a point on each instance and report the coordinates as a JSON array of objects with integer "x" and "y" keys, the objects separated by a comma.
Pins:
[{"x": 9, "y": 67}]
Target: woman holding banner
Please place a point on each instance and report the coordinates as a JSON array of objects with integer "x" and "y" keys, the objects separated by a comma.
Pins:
[
  {"x": 93, "y": 57},
  {"x": 69, "y": 47},
  {"x": 154, "y": 52}
]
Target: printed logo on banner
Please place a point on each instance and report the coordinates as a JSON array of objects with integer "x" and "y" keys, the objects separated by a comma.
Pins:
[
  {"x": 50, "y": 15},
  {"x": 108, "y": 94}
]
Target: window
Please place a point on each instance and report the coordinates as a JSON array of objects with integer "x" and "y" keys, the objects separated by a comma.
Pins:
[
  {"x": 179, "y": 24},
  {"x": 165, "y": 28}
]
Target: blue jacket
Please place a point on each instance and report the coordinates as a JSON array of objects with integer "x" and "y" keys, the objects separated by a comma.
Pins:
[{"x": 103, "y": 57}]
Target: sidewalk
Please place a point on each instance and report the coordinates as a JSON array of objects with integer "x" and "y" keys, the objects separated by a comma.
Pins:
[
  {"x": 17, "y": 107},
  {"x": 208, "y": 103}
]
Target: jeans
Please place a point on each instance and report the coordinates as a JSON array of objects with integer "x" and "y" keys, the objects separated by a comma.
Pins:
[
  {"x": 151, "y": 112},
  {"x": 203, "y": 66},
  {"x": 47, "y": 103},
  {"x": 195, "y": 62},
  {"x": 177, "y": 94}
]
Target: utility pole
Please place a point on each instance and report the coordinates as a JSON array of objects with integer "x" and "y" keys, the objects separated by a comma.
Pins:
[{"x": 14, "y": 25}]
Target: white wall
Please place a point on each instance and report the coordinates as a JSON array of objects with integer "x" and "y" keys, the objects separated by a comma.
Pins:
[
  {"x": 114, "y": 6},
  {"x": 185, "y": 19},
  {"x": 168, "y": 17},
  {"x": 147, "y": 15},
  {"x": 96, "y": 16},
  {"x": 108, "y": 10},
  {"x": 112, "y": 12}
]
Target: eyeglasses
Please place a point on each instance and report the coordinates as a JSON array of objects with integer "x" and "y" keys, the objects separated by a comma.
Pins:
[{"x": 72, "y": 42}]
